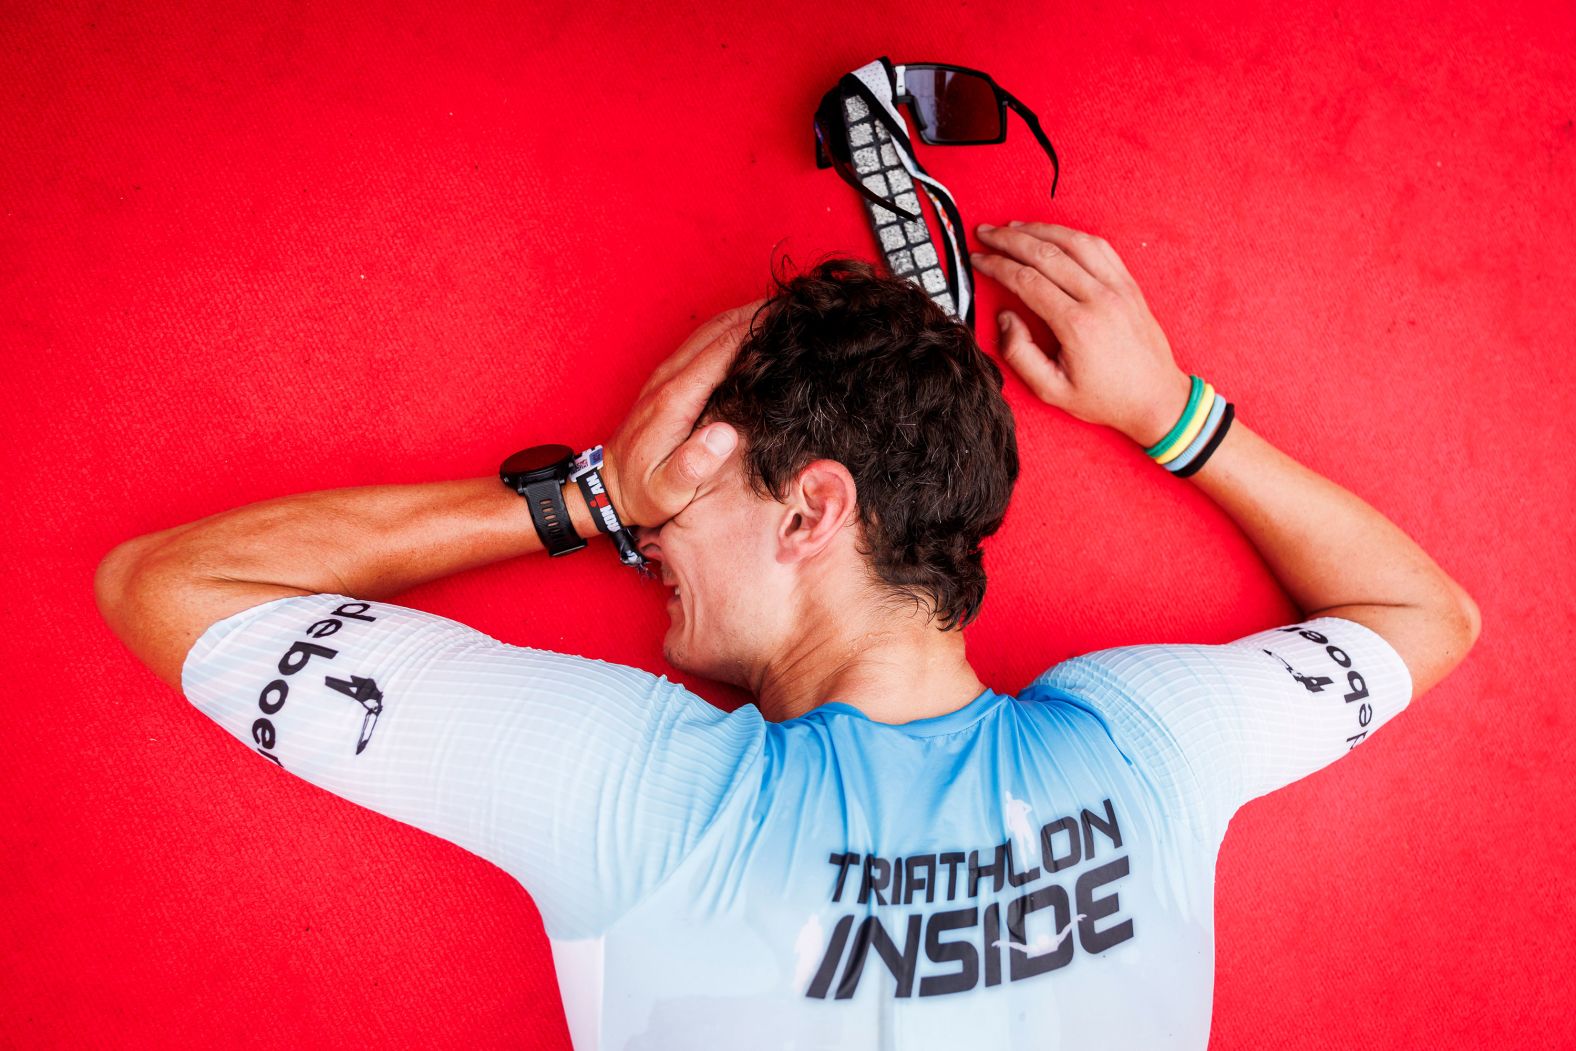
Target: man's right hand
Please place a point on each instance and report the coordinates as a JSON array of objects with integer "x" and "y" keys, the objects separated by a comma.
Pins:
[{"x": 1114, "y": 366}]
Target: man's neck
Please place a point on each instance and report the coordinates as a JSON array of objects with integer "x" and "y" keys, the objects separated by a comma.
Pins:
[{"x": 895, "y": 670}]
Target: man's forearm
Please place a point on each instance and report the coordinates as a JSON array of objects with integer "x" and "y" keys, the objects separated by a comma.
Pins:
[
  {"x": 368, "y": 541},
  {"x": 1327, "y": 546},
  {"x": 1332, "y": 552},
  {"x": 1336, "y": 555},
  {"x": 160, "y": 591}
]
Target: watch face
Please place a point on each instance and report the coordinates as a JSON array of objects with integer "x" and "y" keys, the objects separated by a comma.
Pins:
[{"x": 536, "y": 458}]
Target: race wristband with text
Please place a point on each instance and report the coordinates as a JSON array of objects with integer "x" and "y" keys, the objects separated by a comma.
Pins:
[{"x": 587, "y": 474}]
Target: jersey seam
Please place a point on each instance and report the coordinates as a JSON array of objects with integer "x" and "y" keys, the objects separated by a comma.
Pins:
[{"x": 1001, "y": 699}]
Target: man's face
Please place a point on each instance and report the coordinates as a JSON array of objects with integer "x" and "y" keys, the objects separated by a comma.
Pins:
[{"x": 720, "y": 551}]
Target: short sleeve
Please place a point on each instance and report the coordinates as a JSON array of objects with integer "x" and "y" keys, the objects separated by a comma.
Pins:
[
  {"x": 1215, "y": 726},
  {"x": 587, "y": 781}
]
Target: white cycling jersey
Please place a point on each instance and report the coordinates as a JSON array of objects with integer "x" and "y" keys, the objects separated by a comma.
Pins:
[{"x": 1027, "y": 871}]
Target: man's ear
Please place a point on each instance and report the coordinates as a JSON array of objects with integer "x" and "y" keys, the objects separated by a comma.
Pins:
[{"x": 820, "y": 501}]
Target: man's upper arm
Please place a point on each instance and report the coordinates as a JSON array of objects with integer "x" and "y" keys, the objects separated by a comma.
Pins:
[
  {"x": 588, "y": 781},
  {"x": 1215, "y": 726}
]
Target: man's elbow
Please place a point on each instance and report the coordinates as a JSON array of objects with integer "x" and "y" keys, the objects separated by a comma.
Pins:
[
  {"x": 1467, "y": 617},
  {"x": 142, "y": 590},
  {"x": 1431, "y": 637},
  {"x": 1445, "y": 635},
  {"x": 137, "y": 587},
  {"x": 113, "y": 580}
]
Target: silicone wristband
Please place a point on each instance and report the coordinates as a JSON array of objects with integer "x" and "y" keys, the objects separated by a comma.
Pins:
[
  {"x": 1214, "y": 442},
  {"x": 1192, "y": 399},
  {"x": 1217, "y": 410},
  {"x": 1196, "y": 424}
]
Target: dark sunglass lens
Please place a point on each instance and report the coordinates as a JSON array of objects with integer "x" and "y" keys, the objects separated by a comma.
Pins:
[{"x": 953, "y": 107}]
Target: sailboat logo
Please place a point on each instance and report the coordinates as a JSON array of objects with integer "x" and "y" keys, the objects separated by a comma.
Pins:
[{"x": 366, "y": 692}]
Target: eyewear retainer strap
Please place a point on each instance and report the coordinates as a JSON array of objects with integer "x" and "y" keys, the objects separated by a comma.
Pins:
[{"x": 873, "y": 84}]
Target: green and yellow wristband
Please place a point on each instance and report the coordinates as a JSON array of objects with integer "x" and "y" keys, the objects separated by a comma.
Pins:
[{"x": 1197, "y": 434}]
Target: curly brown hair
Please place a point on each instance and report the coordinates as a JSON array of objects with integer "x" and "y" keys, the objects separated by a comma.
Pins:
[{"x": 846, "y": 364}]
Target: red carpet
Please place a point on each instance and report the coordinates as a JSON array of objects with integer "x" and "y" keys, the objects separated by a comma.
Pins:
[{"x": 338, "y": 245}]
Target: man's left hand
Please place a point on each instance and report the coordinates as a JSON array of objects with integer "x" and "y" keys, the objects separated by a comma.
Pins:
[{"x": 654, "y": 464}]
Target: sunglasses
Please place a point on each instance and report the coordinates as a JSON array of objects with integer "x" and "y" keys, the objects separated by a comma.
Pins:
[{"x": 950, "y": 106}]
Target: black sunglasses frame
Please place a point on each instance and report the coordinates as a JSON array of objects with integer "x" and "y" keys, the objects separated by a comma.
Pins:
[
  {"x": 1005, "y": 100},
  {"x": 832, "y": 149}
]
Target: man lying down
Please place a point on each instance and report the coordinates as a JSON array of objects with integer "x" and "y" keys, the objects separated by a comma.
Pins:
[{"x": 882, "y": 850}]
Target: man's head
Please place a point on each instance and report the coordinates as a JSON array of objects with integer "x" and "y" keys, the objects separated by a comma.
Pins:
[{"x": 876, "y": 452}]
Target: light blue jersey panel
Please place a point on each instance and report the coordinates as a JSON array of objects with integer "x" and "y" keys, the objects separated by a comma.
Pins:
[
  {"x": 586, "y": 781},
  {"x": 1032, "y": 871}
]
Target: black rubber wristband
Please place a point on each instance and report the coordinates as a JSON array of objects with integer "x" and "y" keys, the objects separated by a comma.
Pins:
[{"x": 1213, "y": 443}]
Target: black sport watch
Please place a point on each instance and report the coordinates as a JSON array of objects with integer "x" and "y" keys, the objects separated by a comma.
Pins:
[{"x": 539, "y": 474}]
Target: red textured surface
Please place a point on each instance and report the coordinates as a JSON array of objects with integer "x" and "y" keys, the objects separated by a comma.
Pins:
[{"x": 338, "y": 245}]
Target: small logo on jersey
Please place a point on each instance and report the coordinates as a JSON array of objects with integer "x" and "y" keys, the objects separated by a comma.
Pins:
[
  {"x": 1356, "y": 683},
  {"x": 1312, "y": 683},
  {"x": 366, "y": 692}
]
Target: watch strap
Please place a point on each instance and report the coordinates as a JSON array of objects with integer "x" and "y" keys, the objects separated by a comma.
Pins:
[{"x": 550, "y": 515}]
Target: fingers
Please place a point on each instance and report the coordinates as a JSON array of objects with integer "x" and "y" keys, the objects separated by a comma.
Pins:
[
  {"x": 732, "y": 323},
  {"x": 662, "y": 457},
  {"x": 670, "y": 405},
  {"x": 696, "y": 460},
  {"x": 703, "y": 370},
  {"x": 1036, "y": 269},
  {"x": 729, "y": 327},
  {"x": 1094, "y": 254},
  {"x": 1034, "y": 288},
  {"x": 1039, "y": 372}
]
